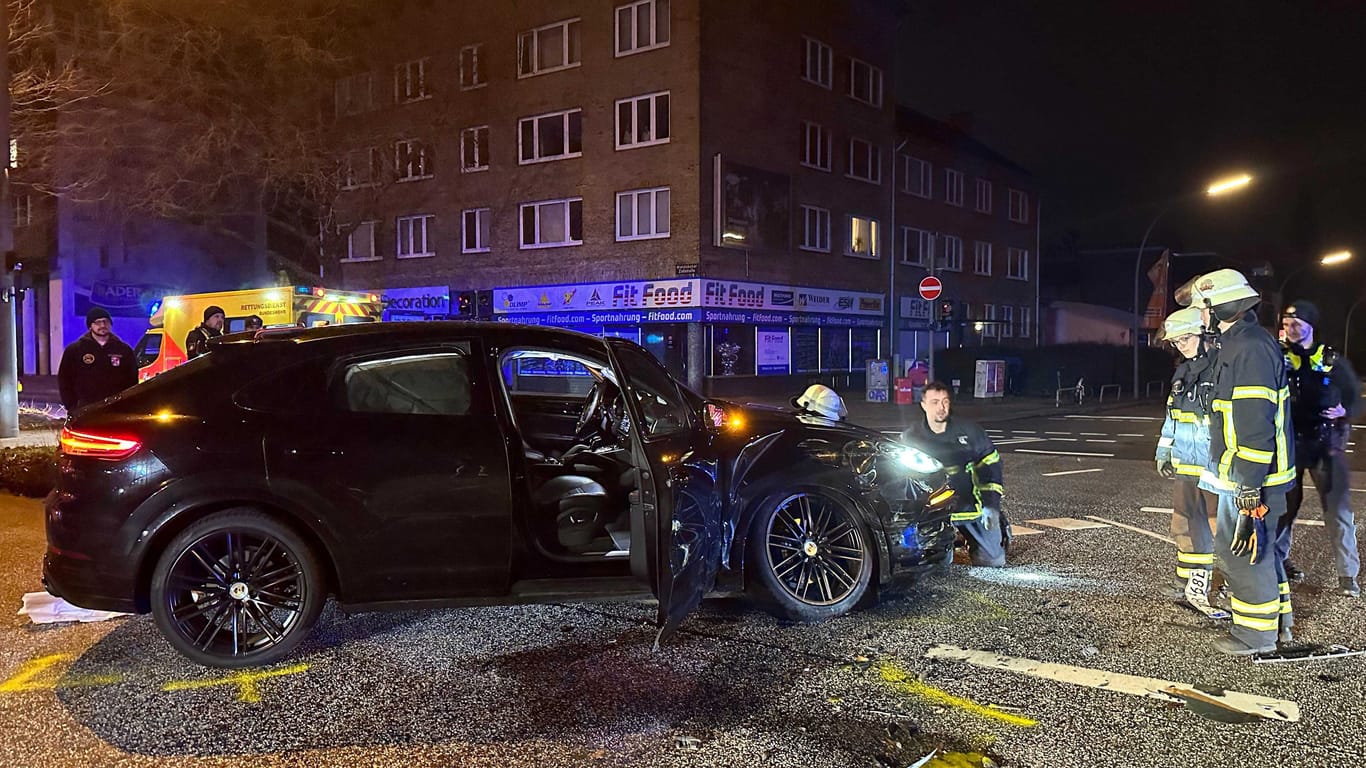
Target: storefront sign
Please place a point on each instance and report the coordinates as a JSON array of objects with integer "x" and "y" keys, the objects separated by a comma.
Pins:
[
  {"x": 685, "y": 293},
  {"x": 772, "y": 350},
  {"x": 415, "y": 303}
]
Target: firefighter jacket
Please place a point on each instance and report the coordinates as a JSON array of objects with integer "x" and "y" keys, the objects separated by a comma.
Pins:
[
  {"x": 90, "y": 371},
  {"x": 197, "y": 341},
  {"x": 971, "y": 461},
  {"x": 1320, "y": 378},
  {"x": 1249, "y": 412},
  {"x": 1185, "y": 430}
]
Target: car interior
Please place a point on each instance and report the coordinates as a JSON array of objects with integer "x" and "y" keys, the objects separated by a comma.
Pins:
[{"x": 576, "y": 435}]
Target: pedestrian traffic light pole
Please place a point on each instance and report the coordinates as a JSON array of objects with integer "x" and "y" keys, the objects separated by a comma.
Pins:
[{"x": 934, "y": 252}]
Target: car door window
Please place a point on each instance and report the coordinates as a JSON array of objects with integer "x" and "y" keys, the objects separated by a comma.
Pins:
[
  {"x": 148, "y": 349},
  {"x": 428, "y": 383},
  {"x": 663, "y": 410},
  {"x": 531, "y": 371}
]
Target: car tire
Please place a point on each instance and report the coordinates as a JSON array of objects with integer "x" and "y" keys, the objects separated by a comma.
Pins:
[
  {"x": 810, "y": 555},
  {"x": 238, "y": 588}
]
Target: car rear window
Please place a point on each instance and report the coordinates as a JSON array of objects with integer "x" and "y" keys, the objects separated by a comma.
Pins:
[{"x": 429, "y": 383}]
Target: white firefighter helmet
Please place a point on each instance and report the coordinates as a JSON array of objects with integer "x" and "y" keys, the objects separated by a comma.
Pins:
[
  {"x": 822, "y": 400},
  {"x": 1222, "y": 286},
  {"x": 1182, "y": 322}
]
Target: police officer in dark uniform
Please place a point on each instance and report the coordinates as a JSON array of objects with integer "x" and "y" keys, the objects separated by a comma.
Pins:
[
  {"x": 197, "y": 341},
  {"x": 974, "y": 468},
  {"x": 1325, "y": 395},
  {"x": 96, "y": 365}
]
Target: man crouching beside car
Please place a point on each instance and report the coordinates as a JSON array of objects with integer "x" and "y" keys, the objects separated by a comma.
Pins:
[{"x": 974, "y": 468}]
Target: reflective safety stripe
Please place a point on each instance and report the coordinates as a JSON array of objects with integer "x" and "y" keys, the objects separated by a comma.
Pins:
[
  {"x": 1285, "y": 587},
  {"x": 1254, "y": 455},
  {"x": 1193, "y": 470},
  {"x": 1261, "y": 625},
  {"x": 1197, "y": 558},
  {"x": 1230, "y": 436},
  {"x": 1166, "y": 442},
  {"x": 1254, "y": 393},
  {"x": 1217, "y": 482},
  {"x": 965, "y": 517},
  {"x": 1279, "y": 478},
  {"x": 990, "y": 458},
  {"x": 1270, "y": 606},
  {"x": 1285, "y": 607},
  {"x": 997, "y": 487}
]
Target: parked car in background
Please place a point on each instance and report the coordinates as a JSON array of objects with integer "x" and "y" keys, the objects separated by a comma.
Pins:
[{"x": 449, "y": 463}]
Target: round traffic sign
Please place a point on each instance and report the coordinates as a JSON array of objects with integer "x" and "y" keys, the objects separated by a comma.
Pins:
[{"x": 930, "y": 288}]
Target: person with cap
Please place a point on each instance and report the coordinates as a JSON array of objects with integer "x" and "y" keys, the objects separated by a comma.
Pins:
[
  {"x": 822, "y": 401},
  {"x": 1325, "y": 395},
  {"x": 974, "y": 468},
  {"x": 97, "y": 365},
  {"x": 1183, "y": 454},
  {"x": 1252, "y": 459},
  {"x": 197, "y": 341},
  {"x": 254, "y": 323}
]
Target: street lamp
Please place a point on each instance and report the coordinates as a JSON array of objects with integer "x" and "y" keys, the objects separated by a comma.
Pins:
[
  {"x": 1217, "y": 189},
  {"x": 1328, "y": 260}
]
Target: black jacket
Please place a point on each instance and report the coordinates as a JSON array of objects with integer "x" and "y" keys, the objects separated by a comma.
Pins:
[
  {"x": 1250, "y": 431},
  {"x": 90, "y": 372},
  {"x": 1320, "y": 378},
  {"x": 970, "y": 458},
  {"x": 197, "y": 341}
]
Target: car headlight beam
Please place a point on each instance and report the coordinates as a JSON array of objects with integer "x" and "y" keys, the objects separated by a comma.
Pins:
[{"x": 916, "y": 460}]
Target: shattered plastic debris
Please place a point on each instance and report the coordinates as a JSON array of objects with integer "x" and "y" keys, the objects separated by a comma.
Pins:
[
  {"x": 1090, "y": 651},
  {"x": 43, "y": 608},
  {"x": 687, "y": 743},
  {"x": 922, "y": 761}
]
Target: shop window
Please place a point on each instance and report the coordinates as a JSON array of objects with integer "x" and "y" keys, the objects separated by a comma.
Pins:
[
  {"x": 835, "y": 349},
  {"x": 732, "y": 350}
]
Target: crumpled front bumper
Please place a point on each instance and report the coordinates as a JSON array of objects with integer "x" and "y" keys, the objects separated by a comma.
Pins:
[{"x": 918, "y": 525}]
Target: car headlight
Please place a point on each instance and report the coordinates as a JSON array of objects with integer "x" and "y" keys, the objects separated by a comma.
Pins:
[{"x": 913, "y": 459}]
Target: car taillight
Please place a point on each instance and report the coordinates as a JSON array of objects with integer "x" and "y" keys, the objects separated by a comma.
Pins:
[{"x": 96, "y": 446}]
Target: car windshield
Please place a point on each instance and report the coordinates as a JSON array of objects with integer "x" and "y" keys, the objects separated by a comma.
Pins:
[{"x": 663, "y": 408}]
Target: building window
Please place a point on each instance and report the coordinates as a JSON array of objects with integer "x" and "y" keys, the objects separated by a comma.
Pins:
[
  {"x": 989, "y": 320},
  {"x": 815, "y": 229},
  {"x": 953, "y": 187},
  {"x": 818, "y": 65},
  {"x": 472, "y": 67},
  {"x": 917, "y": 176},
  {"x": 548, "y": 49},
  {"x": 953, "y": 253},
  {"x": 643, "y": 214},
  {"x": 552, "y": 223},
  {"x": 410, "y": 81},
  {"x": 865, "y": 82},
  {"x": 643, "y": 120},
  {"x": 361, "y": 168},
  {"x": 1017, "y": 264},
  {"x": 474, "y": 149},
  {"x": 1007, "y": 325},
  {"x": 355, "y": 94},
  {"x": 815, "y": 146},
  {"x": 360, "y": 242},
  {"x": 23, "y": 210},
  {"x": 983, "y": 196},
  {"x": 414, "y": 237},
  {"x": 862, "y": 238},
  {"x": 917, "y": 246},
  {"x": 981, "y": 258},
  {"x": 1025, "y": 331},
  {"x": 550, "y": 137},
  {"x": 1019, "y": 206},
  {"x": 642, "y": 26},
  {"x": 412, "y": 160},
  {"x": 475, "y": 230},
  {"x": 865, "y": 161}
]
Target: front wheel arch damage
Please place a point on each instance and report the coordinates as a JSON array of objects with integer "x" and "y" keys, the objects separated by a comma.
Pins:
[{"x": 168, "y": 531}]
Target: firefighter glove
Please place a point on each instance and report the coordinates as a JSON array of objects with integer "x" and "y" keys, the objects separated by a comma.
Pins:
[
  {"x": 1165, "y": 469},
  {"x": 1249, "y": 534},
  {"x": 1248, "y": 499}
]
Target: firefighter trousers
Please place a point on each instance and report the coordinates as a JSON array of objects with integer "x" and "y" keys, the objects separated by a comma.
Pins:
[
  {"x": 986, "y": 539},
  {"x": 1191, "y": 527},
  {"x": 1260, "y": 592},
  {"x": 1332, "y": 479}
]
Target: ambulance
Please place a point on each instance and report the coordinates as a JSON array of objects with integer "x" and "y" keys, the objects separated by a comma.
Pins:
[{"x": 162, "y": 347}]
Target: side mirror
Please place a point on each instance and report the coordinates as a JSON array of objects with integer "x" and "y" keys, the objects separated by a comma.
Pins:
[{"x": 720, "y": 417}]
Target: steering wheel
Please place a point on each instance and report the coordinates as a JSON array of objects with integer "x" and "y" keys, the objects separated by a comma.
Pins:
[{"x": 590, "y": 419}]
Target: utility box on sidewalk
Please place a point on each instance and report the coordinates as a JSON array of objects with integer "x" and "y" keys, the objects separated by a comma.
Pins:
[
  {"x": 990, "y": 379},
  {"x": 878, "y": 381},
  {"x": 905, "y": 391}
]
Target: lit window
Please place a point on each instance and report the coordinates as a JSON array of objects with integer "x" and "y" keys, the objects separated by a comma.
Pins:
[{"x": 862, "y": 238}]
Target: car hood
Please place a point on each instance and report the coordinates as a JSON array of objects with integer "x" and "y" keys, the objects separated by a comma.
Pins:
[{"x": 769, "y": 417}]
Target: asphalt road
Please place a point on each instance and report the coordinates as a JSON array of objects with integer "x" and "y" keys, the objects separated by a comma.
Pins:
[{"x": 579, "y": 684}]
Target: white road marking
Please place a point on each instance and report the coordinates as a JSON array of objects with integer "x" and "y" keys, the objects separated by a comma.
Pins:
[
  {"x": 1134, "y": 685},
  {"x": 1072, "y": 472},
  {"x": 1023, "y": 530},
  {"x": 1113, "y": 418},
  {"x": 1065, "y": 523},
  {"x": 1016, "y": 440},
  {"x": 1163, "y": 510},
  {"x": 1169, "y": 511},
  {"x": 1133, "y": 528},
  {"x": 1128, "y": 434},
  {"x": 1066, "y": 453},
  {"x": 1094, "y": 434},
  {"x": 1023, "y": 431},
  {"x": 1102, "y": 441},
  {"x": 1057, "y": 433},
  {"x": 1062, "y": 439}
]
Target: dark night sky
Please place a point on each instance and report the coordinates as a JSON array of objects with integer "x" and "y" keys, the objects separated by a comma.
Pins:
[{"x": 1120, "y": 107}]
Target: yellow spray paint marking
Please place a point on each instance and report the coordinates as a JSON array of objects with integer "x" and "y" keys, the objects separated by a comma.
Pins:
[
  {"x": 907, "y": 683},
  {"x": 245, "y": 682},
  {"x": 30, "y": 676}
]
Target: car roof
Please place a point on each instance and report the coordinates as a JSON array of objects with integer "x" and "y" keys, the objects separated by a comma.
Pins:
[{"x": 498, "y": 334}]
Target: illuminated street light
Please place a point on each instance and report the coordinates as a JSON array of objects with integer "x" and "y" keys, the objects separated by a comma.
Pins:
[
  {"x": 1337, "y": 257},
  {"x": 1231, "y": 184}
]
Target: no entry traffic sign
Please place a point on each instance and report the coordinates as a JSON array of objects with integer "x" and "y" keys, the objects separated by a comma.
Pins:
[{"x": 930, "y": 288}]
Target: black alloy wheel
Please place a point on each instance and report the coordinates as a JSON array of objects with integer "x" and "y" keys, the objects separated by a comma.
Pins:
[
  {"x": 816, "y": 560},
  {"x": 237, "y": 589}
]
